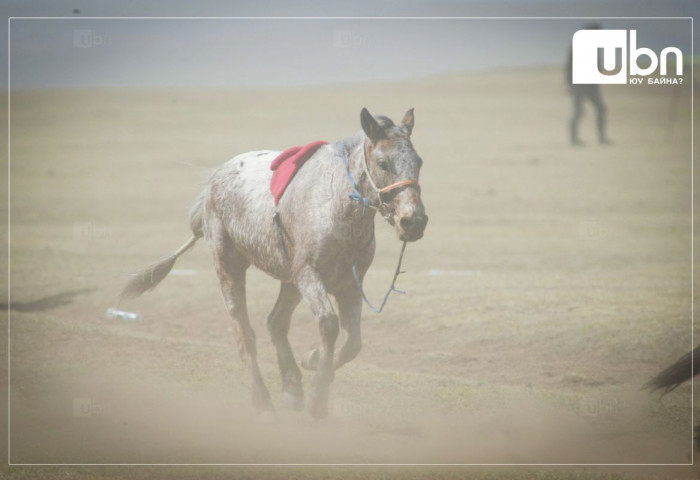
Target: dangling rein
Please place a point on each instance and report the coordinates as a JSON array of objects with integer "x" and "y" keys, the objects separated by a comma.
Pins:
[
  {"x": 392, "y": 288},
  {"x": 384, "y": 210}
]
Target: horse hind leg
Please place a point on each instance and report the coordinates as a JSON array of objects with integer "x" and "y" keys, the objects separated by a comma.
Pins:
[
  {"x": 278, "y": 326},
  {"x": 231, "y": 269}
]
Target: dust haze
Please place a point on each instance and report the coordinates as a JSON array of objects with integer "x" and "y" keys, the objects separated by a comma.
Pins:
[{"x": 551, "y": 284}]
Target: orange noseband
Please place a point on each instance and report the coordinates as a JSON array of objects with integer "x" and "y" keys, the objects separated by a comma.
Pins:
[{"x": 400, "y": 184}]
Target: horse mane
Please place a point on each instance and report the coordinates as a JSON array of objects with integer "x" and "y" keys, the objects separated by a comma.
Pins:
[
  {"x": 388, "y": 125},
  {"x": 353, "y": 141},
  {"x": 384, "y": 122}
]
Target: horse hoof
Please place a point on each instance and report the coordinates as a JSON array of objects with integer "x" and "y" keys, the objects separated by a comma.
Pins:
[
  {"x": 310, "y": 360},
  {"x": 267, "y": 417},
  {"x": 292, "y": 401},
  {"x": 319, "y": 410},
  {"x": 318, "y": 403}
]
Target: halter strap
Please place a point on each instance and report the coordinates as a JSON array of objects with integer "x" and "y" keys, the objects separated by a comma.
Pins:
[
  {"x": 400, "y": 184},
  {"x": 388, "y": 188}
]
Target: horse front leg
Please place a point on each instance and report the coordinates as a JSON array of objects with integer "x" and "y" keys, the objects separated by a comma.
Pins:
[
  {"x": 314, "y": 292},
  {"x": 350, "y": 312}
]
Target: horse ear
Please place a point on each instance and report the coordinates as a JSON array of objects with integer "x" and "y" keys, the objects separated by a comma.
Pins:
[
  {"x": 407, "y": 122},
  {"x": 370, "y": 126}
]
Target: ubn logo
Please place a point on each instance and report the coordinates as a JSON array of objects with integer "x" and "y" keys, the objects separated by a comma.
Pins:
[{"x": 600, "y": 56}]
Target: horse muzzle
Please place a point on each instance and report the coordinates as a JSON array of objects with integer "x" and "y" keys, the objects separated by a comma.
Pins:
[{"x": 411, "y": 227}]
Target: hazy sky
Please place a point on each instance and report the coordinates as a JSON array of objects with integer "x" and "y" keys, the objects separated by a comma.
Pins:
[{"x": 81, "y": 52}]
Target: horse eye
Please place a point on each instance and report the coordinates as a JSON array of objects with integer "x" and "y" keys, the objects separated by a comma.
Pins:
[{"x": 383, "y": 164}]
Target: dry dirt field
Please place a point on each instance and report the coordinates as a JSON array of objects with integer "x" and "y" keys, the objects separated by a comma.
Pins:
[{"x": 551, "y": 284}]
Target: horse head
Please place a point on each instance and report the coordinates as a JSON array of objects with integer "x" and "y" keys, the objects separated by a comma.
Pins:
[{"x": 392, "y": 167}]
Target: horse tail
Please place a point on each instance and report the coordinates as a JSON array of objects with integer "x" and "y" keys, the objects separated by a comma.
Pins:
[
  {"x": 148, "y": 278},
  {"x": 684, "y": 369},
  {"x": 196, "y": 216}
]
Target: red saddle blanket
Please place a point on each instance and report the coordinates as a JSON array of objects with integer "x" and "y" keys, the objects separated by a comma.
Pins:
[{"x": 287, "y": 164}]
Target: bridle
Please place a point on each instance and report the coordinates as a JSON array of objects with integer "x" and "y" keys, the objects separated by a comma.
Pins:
[
  {"x": 384, "y": 208},
  {"x": 400, "y": 184},
  {"x": 387, "y": 213}
]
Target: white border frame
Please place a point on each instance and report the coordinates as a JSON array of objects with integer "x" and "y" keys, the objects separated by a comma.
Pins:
[{"x": 692, "y": 237}]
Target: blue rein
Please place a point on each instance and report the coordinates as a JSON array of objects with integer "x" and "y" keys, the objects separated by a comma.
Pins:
[{"x": 357, "y": 196}]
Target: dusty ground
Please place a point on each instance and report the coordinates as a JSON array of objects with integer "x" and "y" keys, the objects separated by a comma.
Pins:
[{"x": 551, "y": 284}]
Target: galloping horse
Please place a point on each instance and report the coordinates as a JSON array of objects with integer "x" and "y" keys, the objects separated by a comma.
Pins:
[{"x": 318, "y": 241}]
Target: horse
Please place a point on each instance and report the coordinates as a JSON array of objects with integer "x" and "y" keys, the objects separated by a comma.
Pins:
[
  {"x": 318, "y": 242},
  {"x": 684, "y": 369}
]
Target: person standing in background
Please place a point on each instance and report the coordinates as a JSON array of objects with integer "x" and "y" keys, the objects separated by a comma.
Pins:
[{"x": 581, "y": 93}]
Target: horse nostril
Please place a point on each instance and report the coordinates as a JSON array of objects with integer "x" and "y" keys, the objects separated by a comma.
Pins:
[{"x": 406, "y": 223}]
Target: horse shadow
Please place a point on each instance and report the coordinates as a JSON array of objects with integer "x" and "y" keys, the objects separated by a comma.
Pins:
[{"x": 46, "y": 303}]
